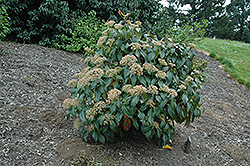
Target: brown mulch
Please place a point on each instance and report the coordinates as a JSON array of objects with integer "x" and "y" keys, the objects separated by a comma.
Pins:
[{"x": 34, "y": 130}]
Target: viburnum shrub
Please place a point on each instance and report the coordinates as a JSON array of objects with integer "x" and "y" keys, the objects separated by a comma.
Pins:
[{"x": 135, "y": 81}]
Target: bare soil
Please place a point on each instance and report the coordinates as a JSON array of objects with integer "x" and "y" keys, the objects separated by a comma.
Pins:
[{"x": 34, "y": 130}]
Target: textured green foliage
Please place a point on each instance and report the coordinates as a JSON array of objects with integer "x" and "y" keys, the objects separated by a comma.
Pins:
[
  {"x": 39, "y": 21},
  {"x": 187, "y": 32},
  {"x": 141, "y": 10},
  {"x": 135, "y": 82},
  {"x": 4, "y": 23},
  {"x": 239, "y": 11},
  {"x": 85, "y": 33}
]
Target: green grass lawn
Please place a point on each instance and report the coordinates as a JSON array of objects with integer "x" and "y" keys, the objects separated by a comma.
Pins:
[{"x": 233, "y": 54}]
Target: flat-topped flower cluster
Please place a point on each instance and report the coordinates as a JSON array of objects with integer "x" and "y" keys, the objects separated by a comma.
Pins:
[{"x": 135, "y": 82}]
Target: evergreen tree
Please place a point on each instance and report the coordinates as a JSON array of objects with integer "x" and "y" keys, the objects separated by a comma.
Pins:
[
  {"x": 239, "y": 13},
  {"x": 211, "y": 10}
]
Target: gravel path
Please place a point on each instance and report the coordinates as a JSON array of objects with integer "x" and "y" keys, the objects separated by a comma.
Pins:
[{"x": 35, "y": 132}]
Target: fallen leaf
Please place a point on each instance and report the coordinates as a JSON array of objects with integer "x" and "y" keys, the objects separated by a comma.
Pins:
[{"x": 167, "y": 147}]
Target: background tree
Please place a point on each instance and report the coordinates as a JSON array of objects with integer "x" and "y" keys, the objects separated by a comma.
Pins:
[
  {"x": 239, "y": 13},
  {"x": 211, "y": 10}
]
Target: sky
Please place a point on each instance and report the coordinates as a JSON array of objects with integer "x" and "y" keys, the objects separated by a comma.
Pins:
[{"x": 186, "y": 6}]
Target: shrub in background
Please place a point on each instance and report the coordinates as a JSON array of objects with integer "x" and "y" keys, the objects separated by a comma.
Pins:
[
  {"x": 85, "y": 33},
  {"x": 39, "y": 21},
  {"x": 4, "y": 23},
  {"x": 145, "y": 11},
  {"x": 135, "y": 81}
]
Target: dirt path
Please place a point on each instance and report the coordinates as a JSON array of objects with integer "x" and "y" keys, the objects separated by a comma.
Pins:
[{"x": 35, "y": 132}]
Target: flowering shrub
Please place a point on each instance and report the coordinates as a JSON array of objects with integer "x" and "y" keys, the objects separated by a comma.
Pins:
[
  {"x": 85, "y": 33},
  {"x": 135, "y": 81}
]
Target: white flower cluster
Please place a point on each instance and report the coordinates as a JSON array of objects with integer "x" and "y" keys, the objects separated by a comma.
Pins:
[
  {"x": 112, "y": 72},
  {"x": 72, "y": 83},
  {"x": 70, "y": 102},
  {"x": 165, "y": 88},
  {"x": 161, "y": 74},
  {"x": 118, "y": 26},
  {"x": 101, "y": 40},
  {"x": 128, "y": 60},
  {"x": 137, "y": 90},
  {"x": 90, "y": 75},
  {"x": 113, "y": 94},
  {"x": 153, "y": 90},
  {"x": 162, "y": 62},
  {"x": 151, "y": 103},
  {"x": 97, "y": 59},
  {"x": 135, "y": 46},
  {"x": 89, "y": 127},
  {"x": 89, "y": 50},
  {"x": 108, "y": 119},
  {"x": 149, "y": 67},
  {"x": 92, "y": 112},
  {"x": 110, "y": 23},
  {"x": 136, "y": 69},
  {"x": 157, "y": 43},
  {"x": 127, "y": 88}
]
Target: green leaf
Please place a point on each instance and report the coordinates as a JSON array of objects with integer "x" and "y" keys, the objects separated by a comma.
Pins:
[
  {"x": 153, "y": 81},
  {"x": 144, "y": 54},
  {"x": 171, "y": 112},
  {"x": 118, "y": 42},
  {"x": 151, "y": 56},
  {"x": 157, "y": 111},
  {"x": 119, "y": 77},
  {"x": 101, "y": 138},
  {"x": 135, "y": 124},
  {"x": 126, "y": 73},
  {"x": 115, "y": 84},
  {"x": 118, "y": 103},
  {"x": 178, "y": 109},
  {"x": 189, "y": 63},
  {"x": 158, "y": 98},
  {"x": 144, "y": 95},
  {"x": 150, "y": 116},
  {"x": 149, "y": 135},
  {"x": 118, "y": 117},
  {"x": 159, "y": 132},
  {"x": 113, "y": 108},
  {"x": 135, "y": 100},
  {"x": 142, "y": 80},
  {"x": 141, "y": 115},
  {"x": 172, "y": 50},
  {"x": 172, "y": 104},
  {"x": 190, "y": 90},
  {"x": 163, "y": 103},
  {"x": 137, "y": 53},
  {"x": 133, "y": 80},
  {"x": 95, "y": 135},
  {"x": 148, "y": 80},
  {"x": 126, "y": 111},
  {"x": 197, "y": 113},
  {"x": 97, "y": 95},
  {"x": 184, "y": 98},
  {"x": 162, "y": 54},
  {"x": 82, "y": 116},
  {"x": 107, "y": 82}
]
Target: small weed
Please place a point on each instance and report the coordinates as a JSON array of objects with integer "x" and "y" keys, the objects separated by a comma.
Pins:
[
  {"x": 82, "y": 160},
  {"x": 213, "y": 55}
]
